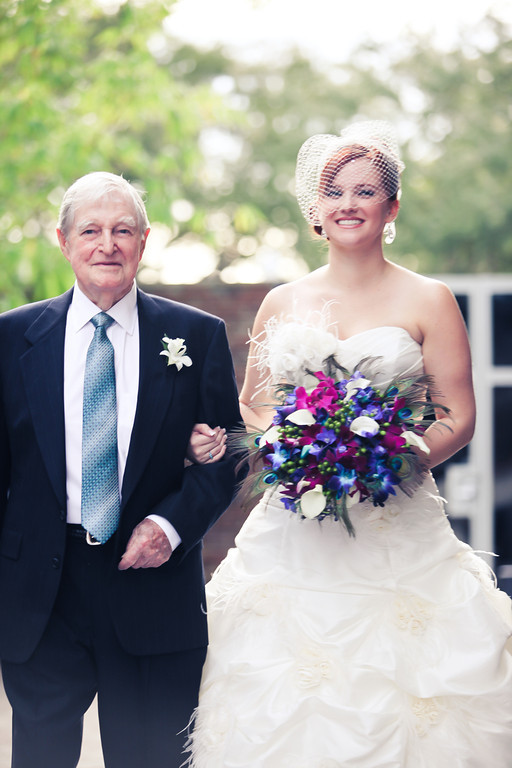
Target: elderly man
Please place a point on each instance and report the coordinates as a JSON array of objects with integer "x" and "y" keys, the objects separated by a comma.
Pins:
[{"x": 101, "y": 523}]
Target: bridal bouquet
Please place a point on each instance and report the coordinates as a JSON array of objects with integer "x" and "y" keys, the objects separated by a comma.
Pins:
[{"x": 343, "y": 441}]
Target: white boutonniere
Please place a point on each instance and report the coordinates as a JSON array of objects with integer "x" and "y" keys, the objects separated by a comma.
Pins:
[{"x": 175, "y": 352}]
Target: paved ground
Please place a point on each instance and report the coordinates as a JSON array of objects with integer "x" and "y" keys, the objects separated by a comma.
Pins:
[{"x": 91, "y": 750}]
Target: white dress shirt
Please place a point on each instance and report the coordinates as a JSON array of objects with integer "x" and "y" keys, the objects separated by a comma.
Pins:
[{"x": 124, "y": 335}]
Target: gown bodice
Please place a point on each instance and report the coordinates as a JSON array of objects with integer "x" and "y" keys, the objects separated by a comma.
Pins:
[{"x": 291, "y": 348}]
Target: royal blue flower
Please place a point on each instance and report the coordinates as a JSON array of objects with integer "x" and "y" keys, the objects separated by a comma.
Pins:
[
  {"x": 315, "y": 449},
  {"x": 378, "y": 453},
  {"x": 327, "y": 436},
  {"x": 363, "y": 396},
  {"x": 373, "y": 410},
  {"x": 282, "y": 413},
  {"x": 279, "y": 456},
  {"x": 343, "y": 481},
  {"x": 382, "y": 483}
]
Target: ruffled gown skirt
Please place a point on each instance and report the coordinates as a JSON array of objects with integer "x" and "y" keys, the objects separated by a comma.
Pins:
[{"x": 387, "y": 650}]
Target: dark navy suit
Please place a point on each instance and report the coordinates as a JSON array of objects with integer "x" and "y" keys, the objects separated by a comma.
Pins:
[{"x": 151, "y": 612}]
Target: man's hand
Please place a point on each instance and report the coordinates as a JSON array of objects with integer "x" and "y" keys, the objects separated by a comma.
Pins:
[{"x": 148, "y": 547}]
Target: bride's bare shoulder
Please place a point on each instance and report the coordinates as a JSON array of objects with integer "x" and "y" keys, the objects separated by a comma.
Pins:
[
  {"x": 285, "y": 297},
  {"x": 303, "y": 287},
  {"x": 422, "y": 285},
  {"x": 424, "y": 301}
]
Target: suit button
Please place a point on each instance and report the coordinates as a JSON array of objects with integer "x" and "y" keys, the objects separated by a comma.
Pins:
[
  {"x": 56, "y": 561},
  {"x": 62, "y": 515}
]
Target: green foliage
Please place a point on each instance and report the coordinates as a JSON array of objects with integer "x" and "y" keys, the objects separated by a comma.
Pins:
[
  {"x": 82, "y": 91},
  {"x": 282, "y": 106},
  {"x": 453, "y": 115},
  {"x": 457, "y": 209}
]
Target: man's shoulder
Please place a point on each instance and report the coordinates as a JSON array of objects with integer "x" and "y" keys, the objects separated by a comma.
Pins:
[
  {"x": 25, "y": 311},
  {"x": 37, "y": 316}
]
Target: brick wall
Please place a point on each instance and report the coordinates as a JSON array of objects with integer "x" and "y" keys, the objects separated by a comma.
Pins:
[{"x": 237, "y": 305}]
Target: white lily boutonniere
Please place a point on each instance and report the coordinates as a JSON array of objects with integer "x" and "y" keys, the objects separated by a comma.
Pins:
[{"x": 175, "y": 352}]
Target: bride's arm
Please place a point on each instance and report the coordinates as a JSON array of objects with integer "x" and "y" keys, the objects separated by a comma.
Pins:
[
  {"x": 256, "y": 399},
  {"x": 447, "y": 358},
  {"x": 255, "y": 406}
]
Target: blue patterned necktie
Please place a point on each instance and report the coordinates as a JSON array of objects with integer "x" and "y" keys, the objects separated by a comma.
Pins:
[{"x": 100, "y": 480}]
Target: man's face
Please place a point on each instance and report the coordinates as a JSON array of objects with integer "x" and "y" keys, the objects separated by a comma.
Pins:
[{"x": 104, "y": 247}]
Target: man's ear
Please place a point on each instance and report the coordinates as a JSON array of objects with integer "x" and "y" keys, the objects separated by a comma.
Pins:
[
  {"x": 61, "y": 239},
  {"x": 63, "y": 243},
  {"x": 143, "y": 243}
]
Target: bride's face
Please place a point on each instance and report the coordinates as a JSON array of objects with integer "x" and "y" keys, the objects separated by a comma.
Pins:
[{"x": 355, "y": 204}]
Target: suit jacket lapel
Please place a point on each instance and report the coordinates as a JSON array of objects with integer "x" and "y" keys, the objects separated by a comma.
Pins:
[
  {"x": 43, "y": 376},
  {"x": 42, "y": 367},
  {"x": 156, "y": 387}
]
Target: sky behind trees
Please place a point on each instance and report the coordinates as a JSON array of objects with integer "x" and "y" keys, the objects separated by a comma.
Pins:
[{"x": 325, "y": 31}]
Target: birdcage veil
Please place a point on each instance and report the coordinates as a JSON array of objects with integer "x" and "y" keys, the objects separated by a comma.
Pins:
[{"x": 322, "y": 157}]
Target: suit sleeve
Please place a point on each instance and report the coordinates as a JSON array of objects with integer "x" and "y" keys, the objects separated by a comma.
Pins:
[
  {"x": 5, "y": 462},
  {"x": 207, "y": 489}
]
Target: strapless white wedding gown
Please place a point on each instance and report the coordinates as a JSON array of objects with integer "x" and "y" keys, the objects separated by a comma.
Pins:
[{"x": 387, "y": 650}]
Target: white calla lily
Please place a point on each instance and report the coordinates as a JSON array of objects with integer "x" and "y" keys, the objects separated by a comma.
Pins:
[
  {"x": 353, "y": 385},
  {"x": 364, "y": 426},
  {"x": 310, "y": 382},
  {"x": 312, "y": 503},
  {"x": 416, "y": 440},
  {"x": 301, "y": 417},
  {"x": 358, "y": 384},
  {"x": 270, "y": 436},
  {"x": 175, "y": 352}
]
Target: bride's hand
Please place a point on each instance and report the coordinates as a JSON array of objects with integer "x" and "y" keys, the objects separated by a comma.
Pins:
[{"x": 206, "y": 445}]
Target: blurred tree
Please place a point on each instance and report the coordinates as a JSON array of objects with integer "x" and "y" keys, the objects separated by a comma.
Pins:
[
  {"x": 453, "y": 114},
  {"x": 214, "y": 140},
  {"x": 82, "y": 91},
  {"x": 248, "y": 178},
  {"x": 457, "y": 211}
]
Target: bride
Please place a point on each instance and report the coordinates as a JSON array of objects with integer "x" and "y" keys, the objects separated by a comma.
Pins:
[{"x": 389, "y": 648}]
